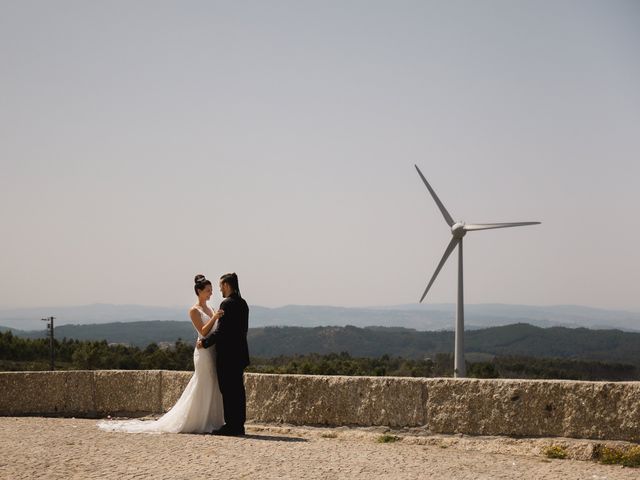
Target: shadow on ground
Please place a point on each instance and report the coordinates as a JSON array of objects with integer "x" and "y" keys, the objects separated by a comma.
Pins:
[{"x": 274, "y": 438}]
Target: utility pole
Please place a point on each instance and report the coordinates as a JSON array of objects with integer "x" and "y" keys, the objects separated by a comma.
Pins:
[{"x": 50, "y": 328}]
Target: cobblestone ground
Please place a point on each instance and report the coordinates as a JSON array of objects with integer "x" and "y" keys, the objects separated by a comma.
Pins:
[{"x": 53, "y": 448}]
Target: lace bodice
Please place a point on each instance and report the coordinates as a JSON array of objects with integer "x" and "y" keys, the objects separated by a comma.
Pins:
[{"x": 205, "y": 318}]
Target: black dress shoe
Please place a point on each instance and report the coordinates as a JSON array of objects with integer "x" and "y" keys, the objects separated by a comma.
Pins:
[{"x": 229, "y": 432}]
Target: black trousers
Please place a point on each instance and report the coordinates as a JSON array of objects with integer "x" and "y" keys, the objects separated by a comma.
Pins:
[{"x": 234, "y": 399}]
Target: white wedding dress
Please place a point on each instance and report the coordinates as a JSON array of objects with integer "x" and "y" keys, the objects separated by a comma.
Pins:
[{"x": 199, "y": 408}]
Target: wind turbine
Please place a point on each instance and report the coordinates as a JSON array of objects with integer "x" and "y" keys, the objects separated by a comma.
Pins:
[{"x": 459, "y": 230}]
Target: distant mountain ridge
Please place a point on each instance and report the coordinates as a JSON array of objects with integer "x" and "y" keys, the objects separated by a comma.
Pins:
[
  {"x": 417, "y": 316},
  {"x": 517, "y": 339}
]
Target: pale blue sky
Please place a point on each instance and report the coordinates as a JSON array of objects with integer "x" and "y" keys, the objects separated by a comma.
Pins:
[{"x": 142, "y": 142}]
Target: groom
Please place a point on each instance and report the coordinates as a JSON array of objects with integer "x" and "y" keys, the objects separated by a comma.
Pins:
[{"x": 232, "y": 354}]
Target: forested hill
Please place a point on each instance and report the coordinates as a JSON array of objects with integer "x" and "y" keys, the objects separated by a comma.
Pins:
[
  {"x": 517, "y": 339},
  {"x": 139, "y": 334}
]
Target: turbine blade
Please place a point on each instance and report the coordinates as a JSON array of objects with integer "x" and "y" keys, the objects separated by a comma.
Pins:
[
  {"x": 452, "y": 245},
  {"x": 445, "y": 214},
  {"x": 487, "y": 226}
]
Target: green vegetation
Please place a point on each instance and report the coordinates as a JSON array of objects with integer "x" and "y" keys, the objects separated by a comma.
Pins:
[
  {"x": 555, "y": 451},
  {"x": 388, "y": 438},
  {"x": 345, "y": 364},
  {"x": 18, "y": 353},
  {"x": 628, "y": 456},
  {"x": 512, "y": 366},
  {"x": 625, "y": 455},
  {"x": 25, "y": 354}
]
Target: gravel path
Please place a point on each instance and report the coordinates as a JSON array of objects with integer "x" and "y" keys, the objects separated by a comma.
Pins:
[{"x": 62, "y": 448}]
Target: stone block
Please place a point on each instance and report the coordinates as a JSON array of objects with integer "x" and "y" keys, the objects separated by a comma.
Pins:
[
  {"x": 121, "y": 392},
  {"x": 173, "y": 384},
  {"x": 79, "y": 394},
  {"x": 335, "y": 400},
  {"x": 493, "y": 407},
  {"x": 601, "y": 410},
  {"x": 597, "y": 410},
  {"x": 23, "y": 393}
]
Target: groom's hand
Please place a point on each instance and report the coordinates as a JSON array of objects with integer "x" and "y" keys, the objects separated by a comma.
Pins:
[{"x": 199, "y": 343}]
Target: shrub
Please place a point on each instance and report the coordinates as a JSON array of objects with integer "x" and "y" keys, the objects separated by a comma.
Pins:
[
  {"x": 388, "y": 438},
  {"x": 626, "y": 456},
  {"x": 555, "y": 451}
]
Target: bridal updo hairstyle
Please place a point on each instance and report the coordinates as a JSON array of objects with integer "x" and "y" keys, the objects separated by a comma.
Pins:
[
  {"x": 231, "y": 279},
  {"x": 200, "y": 283}
]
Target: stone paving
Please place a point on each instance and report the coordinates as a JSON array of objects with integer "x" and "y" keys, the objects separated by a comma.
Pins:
[{"x": 64, "y": 448}]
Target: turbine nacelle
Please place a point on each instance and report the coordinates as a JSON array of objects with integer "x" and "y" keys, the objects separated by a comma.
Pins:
[{"x": 458, "y": 230}]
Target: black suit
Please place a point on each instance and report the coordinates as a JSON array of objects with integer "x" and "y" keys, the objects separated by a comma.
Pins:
[{"x": 232, "y": 357}]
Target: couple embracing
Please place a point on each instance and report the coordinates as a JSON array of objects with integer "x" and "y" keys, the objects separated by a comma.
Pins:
[{"x": 214, "y": 400}]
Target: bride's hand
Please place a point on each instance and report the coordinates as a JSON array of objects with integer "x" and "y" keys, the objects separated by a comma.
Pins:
[{"x": 218, "y": 314}]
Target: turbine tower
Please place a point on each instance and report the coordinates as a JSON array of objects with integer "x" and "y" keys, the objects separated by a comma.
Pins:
[{"x": 459, "y": 230}]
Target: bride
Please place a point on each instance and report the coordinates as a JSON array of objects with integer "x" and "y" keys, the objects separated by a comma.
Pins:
[{"x": 199, "y": 408}]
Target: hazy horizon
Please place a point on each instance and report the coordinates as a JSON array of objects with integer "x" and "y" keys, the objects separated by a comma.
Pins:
[
  {"x": 420, "y": 317},
  {"x": 425, "y": 305},
  {"x": 144, "y": 142}
]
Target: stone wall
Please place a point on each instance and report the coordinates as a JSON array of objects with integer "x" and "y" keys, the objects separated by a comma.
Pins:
[{"x": 598, "y": 410}]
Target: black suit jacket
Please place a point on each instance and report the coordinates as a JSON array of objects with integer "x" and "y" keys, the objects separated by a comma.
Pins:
[{"x": 230, "y": 334}]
